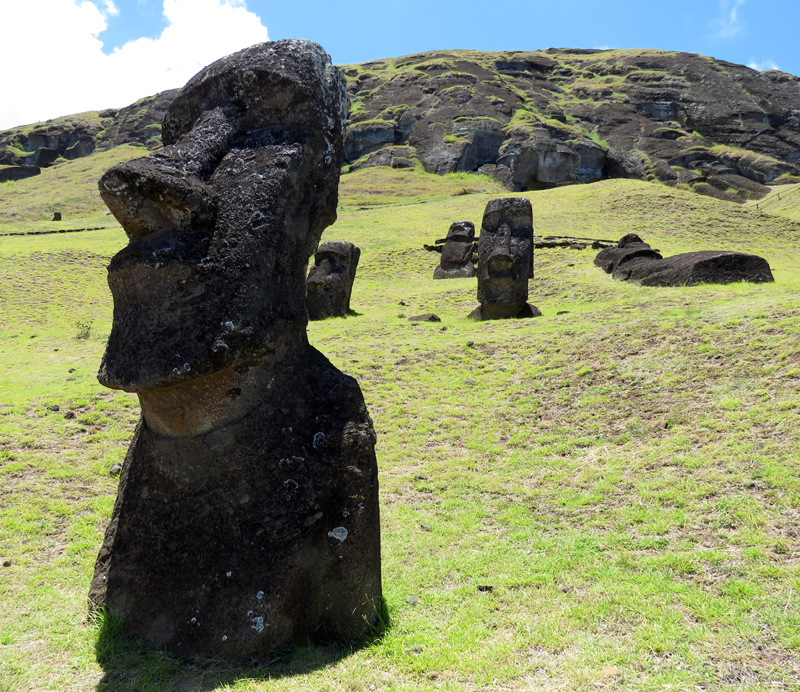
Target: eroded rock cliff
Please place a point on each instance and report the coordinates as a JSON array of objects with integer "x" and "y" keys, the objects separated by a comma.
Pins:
[
  {"x": 531, "y": 119},
  {"x": 554, "y": 117}
]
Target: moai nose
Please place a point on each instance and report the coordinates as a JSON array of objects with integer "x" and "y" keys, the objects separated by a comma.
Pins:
[{"x": 501, "y": 262}]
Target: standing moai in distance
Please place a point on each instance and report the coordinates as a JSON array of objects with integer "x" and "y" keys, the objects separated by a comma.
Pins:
[
  {"x": 505, "y": 260},
  {"x": 247, "y": 513},
  {"x": 456, "y": 262},
  {"x": 330, "y": 280}
]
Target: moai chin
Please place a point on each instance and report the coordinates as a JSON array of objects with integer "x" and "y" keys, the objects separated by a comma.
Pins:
[
  {"x": 456, "y": 262},
  {"x": 247, "y": 512},
  {"x": 505, "y": 260},
  {"x": 330, "y": 280}
]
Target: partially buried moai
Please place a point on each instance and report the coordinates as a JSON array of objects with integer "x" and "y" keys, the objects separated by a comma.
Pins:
[
  {"x": 456, "y": 262},
  {"x": 330, "y": 280},
  {"x": 505, "y": 260},
  {"x": 247, "y": 513}
]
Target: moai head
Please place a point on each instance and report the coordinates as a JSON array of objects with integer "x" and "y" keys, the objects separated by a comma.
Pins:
[
  {"x": 223, "y": 219},
  {"x": 505, "y": 253},
  {"x": 456, "y": 259},
  {"x": 330, "y": 281}
]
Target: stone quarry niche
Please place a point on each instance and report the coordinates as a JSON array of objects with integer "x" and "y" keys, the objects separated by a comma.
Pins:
[
  {"x": 505, "y": 260},
  {"x": 330, "y": 279},
  {"x": 634, "y": 260},
  {"x": 247, "y": 512},
  {"x": 456, "y": 262}
]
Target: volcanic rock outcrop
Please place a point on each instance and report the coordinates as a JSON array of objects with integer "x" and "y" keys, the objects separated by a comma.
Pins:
[
  {"x": 505, "y": 260},
  {"x": 456, "y": 262},
  {"x": 544, "y": 118},
  {"x": 247, "y": 513},
  {"x": 330, "y": 280},
  {"x": 531, "y": 119},
  {"x": 635, "y": 260}
]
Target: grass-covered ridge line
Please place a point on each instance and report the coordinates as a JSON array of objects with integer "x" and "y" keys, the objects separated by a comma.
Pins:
[{"x": 625, "y": 476}]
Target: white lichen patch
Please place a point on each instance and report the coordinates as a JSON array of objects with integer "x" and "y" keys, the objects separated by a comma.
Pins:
[
  {"x": 339, "y": 533},
  {"x": 257, "y": 624}
]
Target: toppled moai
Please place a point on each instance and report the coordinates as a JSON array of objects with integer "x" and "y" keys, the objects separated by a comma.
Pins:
[
  {"x": 247, "y": 512},
  {"x": 456, "y": 262},
  {"x": 634, "y": 260},
  {"x": 505, "y": 260},
  {"x": 330, "y": 280}
]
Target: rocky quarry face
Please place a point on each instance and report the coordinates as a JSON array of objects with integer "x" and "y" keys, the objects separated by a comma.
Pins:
[
  {"x": 247, "y": 513},
  {"x": 531, "y": 119},
  {"x": 634, "y": 260},
  {"x": 545, "y": 118}
]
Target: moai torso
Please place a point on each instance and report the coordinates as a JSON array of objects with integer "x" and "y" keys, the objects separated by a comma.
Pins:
[
  {"x": 456, "y": 262},
  {"x": 247, "y": 513}
]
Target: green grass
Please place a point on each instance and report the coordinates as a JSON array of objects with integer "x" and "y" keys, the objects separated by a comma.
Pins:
[
  {"x": 69, "y": 187},
  {"x": 625, "y": 476},
  {"x": 784, "y": 201}
]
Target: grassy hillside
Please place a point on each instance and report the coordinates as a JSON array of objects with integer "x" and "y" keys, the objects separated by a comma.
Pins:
[
  {"x": 784, "y": 201},
  {"x": 69, "y": 187},
  {"x": 626, "y": 476}
]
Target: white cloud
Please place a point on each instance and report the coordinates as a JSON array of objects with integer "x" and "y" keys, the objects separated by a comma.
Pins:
[
  {"x": 763, "y": 66},
  {"x": 59, "y": 67},
  {"x": 109, "y": 8},
  {"x": 728, "y": 24}
]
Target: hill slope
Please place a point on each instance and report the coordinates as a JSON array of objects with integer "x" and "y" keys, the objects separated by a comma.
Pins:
[
  {"x": 532, "y": 120},
  {"x": 544, "y": 118},
  {"x": 625, "y": 477}
]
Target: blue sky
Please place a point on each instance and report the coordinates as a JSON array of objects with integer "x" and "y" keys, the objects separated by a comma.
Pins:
[
  {"x": 360, "y": 30},
  {"x": 102, "y": 53}
]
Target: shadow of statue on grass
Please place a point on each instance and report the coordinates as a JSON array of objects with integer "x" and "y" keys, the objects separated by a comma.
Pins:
[{"x": 131, "y": 664}]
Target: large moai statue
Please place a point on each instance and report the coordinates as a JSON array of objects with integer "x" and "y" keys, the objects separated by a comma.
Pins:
[
  {"x": 505, "y": 260},
  {"x": 330, "y": 279},
  {"x": 247, "y": 513},
  {"x": 456, "y": 262}
]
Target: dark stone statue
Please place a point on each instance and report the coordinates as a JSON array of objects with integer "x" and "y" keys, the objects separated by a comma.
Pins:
[
  {"x": 330, "y": 280},
  {"x": 247, "y": 513},
  {"x": 456, "y": 262},
  {"x": 505, "y": 260},
  {"x": 634, "y": 260}
]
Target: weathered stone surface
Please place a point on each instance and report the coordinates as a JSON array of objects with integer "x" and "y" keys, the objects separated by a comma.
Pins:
[
  {"x": 247, "y": 514},
  {"x": 80, "y": 149},
  {"x": 330, "y": 280},
  {"x": 555, "y": 117},
  {"x": 505, "y": 260},
  {"x": 70, "y": 137},
  {"x": 44, "y": 157},
  {"x": 138, "y": 123},
  {"x": 573, "y": 116},
  {"x": 456, "y": 262},
  {"x": 425, "y": 317},
  {"x": 634, "y": 260},
  {"x": 18, "y": 172}
]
